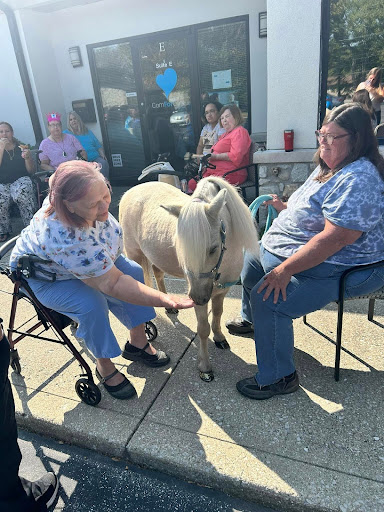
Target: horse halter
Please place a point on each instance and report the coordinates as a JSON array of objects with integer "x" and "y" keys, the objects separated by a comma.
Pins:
[{"x": 214, "y": 273}]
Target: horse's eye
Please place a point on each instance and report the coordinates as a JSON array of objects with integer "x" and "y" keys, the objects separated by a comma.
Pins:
[{"x": 213, "y": 250}]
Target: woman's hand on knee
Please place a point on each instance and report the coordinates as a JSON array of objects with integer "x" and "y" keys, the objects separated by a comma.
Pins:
[{"x": 275, "y": 281}]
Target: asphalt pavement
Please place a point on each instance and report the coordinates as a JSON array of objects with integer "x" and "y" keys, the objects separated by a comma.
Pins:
[{"x": 90, "y": 482}]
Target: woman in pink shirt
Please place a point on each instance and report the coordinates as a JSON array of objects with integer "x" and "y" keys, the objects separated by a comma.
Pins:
[{"x": 231, "y": 150}]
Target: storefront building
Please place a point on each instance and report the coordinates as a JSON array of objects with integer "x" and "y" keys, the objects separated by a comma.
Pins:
[
  {"x": 149, "y": 89},
  {"x": 141, "y": 71}
]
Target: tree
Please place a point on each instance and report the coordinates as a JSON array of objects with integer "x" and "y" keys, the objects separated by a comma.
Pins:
[{"x": 356, "y": 42}]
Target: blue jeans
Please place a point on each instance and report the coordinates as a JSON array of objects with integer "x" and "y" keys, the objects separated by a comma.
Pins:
[
  {"x": 90, "y": 308},
  {"x": 308, "y": 291}
]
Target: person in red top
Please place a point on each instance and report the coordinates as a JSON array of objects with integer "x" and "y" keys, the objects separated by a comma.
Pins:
[{"x": 231, "y": 150}]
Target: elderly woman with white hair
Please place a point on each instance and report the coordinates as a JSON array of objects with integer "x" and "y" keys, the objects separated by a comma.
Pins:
[{"x": 88, "y": 140}]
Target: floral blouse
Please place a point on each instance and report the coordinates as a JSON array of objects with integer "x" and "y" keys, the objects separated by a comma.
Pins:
[{"x": 72, "y": 252}]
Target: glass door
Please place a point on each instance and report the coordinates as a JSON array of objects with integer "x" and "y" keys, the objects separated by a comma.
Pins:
[
  {"x": 223, "y": 65},
  {"x": 119, "y": 101},
  {"x": 166, "y": 96},
  {"x": 150, "y": 90}
]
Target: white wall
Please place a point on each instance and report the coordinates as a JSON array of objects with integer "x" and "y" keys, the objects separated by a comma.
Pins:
[
  {"x": 114, "y": 19},
  {"x": 13, "y": 105},
  {"x": 36, "y": 31},
  {"x": 293, "y": 71}
]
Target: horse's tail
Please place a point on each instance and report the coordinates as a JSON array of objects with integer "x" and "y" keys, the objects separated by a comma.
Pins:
[{"x": 244, "y": 227}]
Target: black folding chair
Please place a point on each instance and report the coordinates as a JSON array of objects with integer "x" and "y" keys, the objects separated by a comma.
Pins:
[{"x": 379, "y": 294}]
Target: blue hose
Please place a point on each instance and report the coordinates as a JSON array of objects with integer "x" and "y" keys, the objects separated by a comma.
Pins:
[{"x": 272, "y": 213}]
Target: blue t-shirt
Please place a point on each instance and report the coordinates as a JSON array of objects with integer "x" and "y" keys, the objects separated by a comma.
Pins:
[
  {"x": 74, "y": 253},
  {"x": 89, "y": 142},
  {"x": 353, "y": 198}
]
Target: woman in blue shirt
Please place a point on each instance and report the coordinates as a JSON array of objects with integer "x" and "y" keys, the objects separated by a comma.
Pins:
[
  {"x": 88, "y": 140},
  {"x": 335, "y": 221}
]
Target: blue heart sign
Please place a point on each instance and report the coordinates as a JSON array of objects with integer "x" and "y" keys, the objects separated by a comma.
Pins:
[{"x": 167, "y": 81}]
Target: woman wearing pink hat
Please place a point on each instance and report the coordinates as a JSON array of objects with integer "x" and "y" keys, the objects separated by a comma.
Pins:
[{"x": 59, "y": 147}]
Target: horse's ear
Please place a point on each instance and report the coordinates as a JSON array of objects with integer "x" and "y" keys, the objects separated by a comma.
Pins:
[
  {"x": 172, "y": 209},
  {"x": 216, "y": 204}
]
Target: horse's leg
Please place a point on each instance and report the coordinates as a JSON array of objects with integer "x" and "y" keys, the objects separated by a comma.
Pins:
[
  {"x": 159, "y": 276},
  {"x": 203, "y": 330},
  {"x": 217, "y": 311}
]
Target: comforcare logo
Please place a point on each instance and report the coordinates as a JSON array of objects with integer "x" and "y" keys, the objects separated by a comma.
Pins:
[{"x": 164, "y": 104}]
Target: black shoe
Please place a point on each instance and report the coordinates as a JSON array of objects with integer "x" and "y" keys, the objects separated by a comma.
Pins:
[
  {"x": 45, "y": 489},
  {"x": 239, "y": 326},
  {"x": 139, "y": 354},
  {"x": 250, "y": 388},
  {"x": 121, "y": 391}
]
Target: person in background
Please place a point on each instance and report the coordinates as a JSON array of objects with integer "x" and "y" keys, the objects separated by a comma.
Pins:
[
  {"x": 362, "y": 97},
  {"x": 211, "y": 130},
  {"x": 333, "y": 222},
  {"x": 231, "y": 150},
  {"x": 16, "y": 166},
  {"x": 88, "y": 140},
  {"x": 16, "y": 493},
  {"x": 375, "y": 90},
  {"x": 58, "y": 147},
  {"x": 82, "y": 242}
]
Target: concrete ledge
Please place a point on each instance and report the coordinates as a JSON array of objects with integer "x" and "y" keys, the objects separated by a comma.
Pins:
[{"x": 280, "y": 156}]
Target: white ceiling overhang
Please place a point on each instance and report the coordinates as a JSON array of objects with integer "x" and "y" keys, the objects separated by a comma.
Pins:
[{"x": 46, "y": 6}]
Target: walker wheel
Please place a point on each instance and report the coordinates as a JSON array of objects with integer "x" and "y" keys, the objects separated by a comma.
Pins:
[
  {"x": 150, "y": 331},
  {"x": 89, "y": 393}
]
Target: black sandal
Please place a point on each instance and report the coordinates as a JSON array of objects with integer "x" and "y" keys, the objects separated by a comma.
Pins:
[
  {"x": 138, "y": 354},
  {"x": 122, "y": 391}
]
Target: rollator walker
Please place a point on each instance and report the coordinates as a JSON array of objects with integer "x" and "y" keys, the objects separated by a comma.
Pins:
[{"x": 46, "y": 321}]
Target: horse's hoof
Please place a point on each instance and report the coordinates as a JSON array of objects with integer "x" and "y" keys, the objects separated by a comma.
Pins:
[
  {"x": 223, "y": 345},
  {"x": 207, "y": 376},
  {"x": 172, "y": 311}
]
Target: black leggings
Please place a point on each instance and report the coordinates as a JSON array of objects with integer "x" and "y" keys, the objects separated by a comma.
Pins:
[{"x": 15, "y": 493}]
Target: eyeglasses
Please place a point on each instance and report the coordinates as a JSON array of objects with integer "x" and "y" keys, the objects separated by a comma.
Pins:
[
  {"x": 329, "y": 137},
  {"x": 210, "y": 112}
]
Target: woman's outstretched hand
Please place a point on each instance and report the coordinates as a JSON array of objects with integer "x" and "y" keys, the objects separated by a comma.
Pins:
[
  {"x": 275, "y": 281},
  {"x": 173, "y": 301}
]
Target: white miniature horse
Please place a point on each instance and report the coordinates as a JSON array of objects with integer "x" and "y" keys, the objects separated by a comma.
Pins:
[{"x": 200, "y": 237}]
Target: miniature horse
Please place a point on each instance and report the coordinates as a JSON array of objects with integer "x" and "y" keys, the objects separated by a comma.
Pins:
[{"x": 200, "y": 237}]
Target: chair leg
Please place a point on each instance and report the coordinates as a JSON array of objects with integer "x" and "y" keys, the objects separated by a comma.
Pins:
[
  {"x": 371, "y": 309},
  {"x": 340, "y": 310}
]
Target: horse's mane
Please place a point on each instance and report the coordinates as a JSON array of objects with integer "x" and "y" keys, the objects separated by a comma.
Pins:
[{"x": 194, "y": 230}]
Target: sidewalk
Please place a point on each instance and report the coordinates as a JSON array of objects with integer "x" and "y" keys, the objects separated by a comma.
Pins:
[{"x": 319, "y": 449}]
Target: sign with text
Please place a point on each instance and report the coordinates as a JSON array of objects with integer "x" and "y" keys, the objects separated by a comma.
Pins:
[{"x": 222, "y": 79}]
